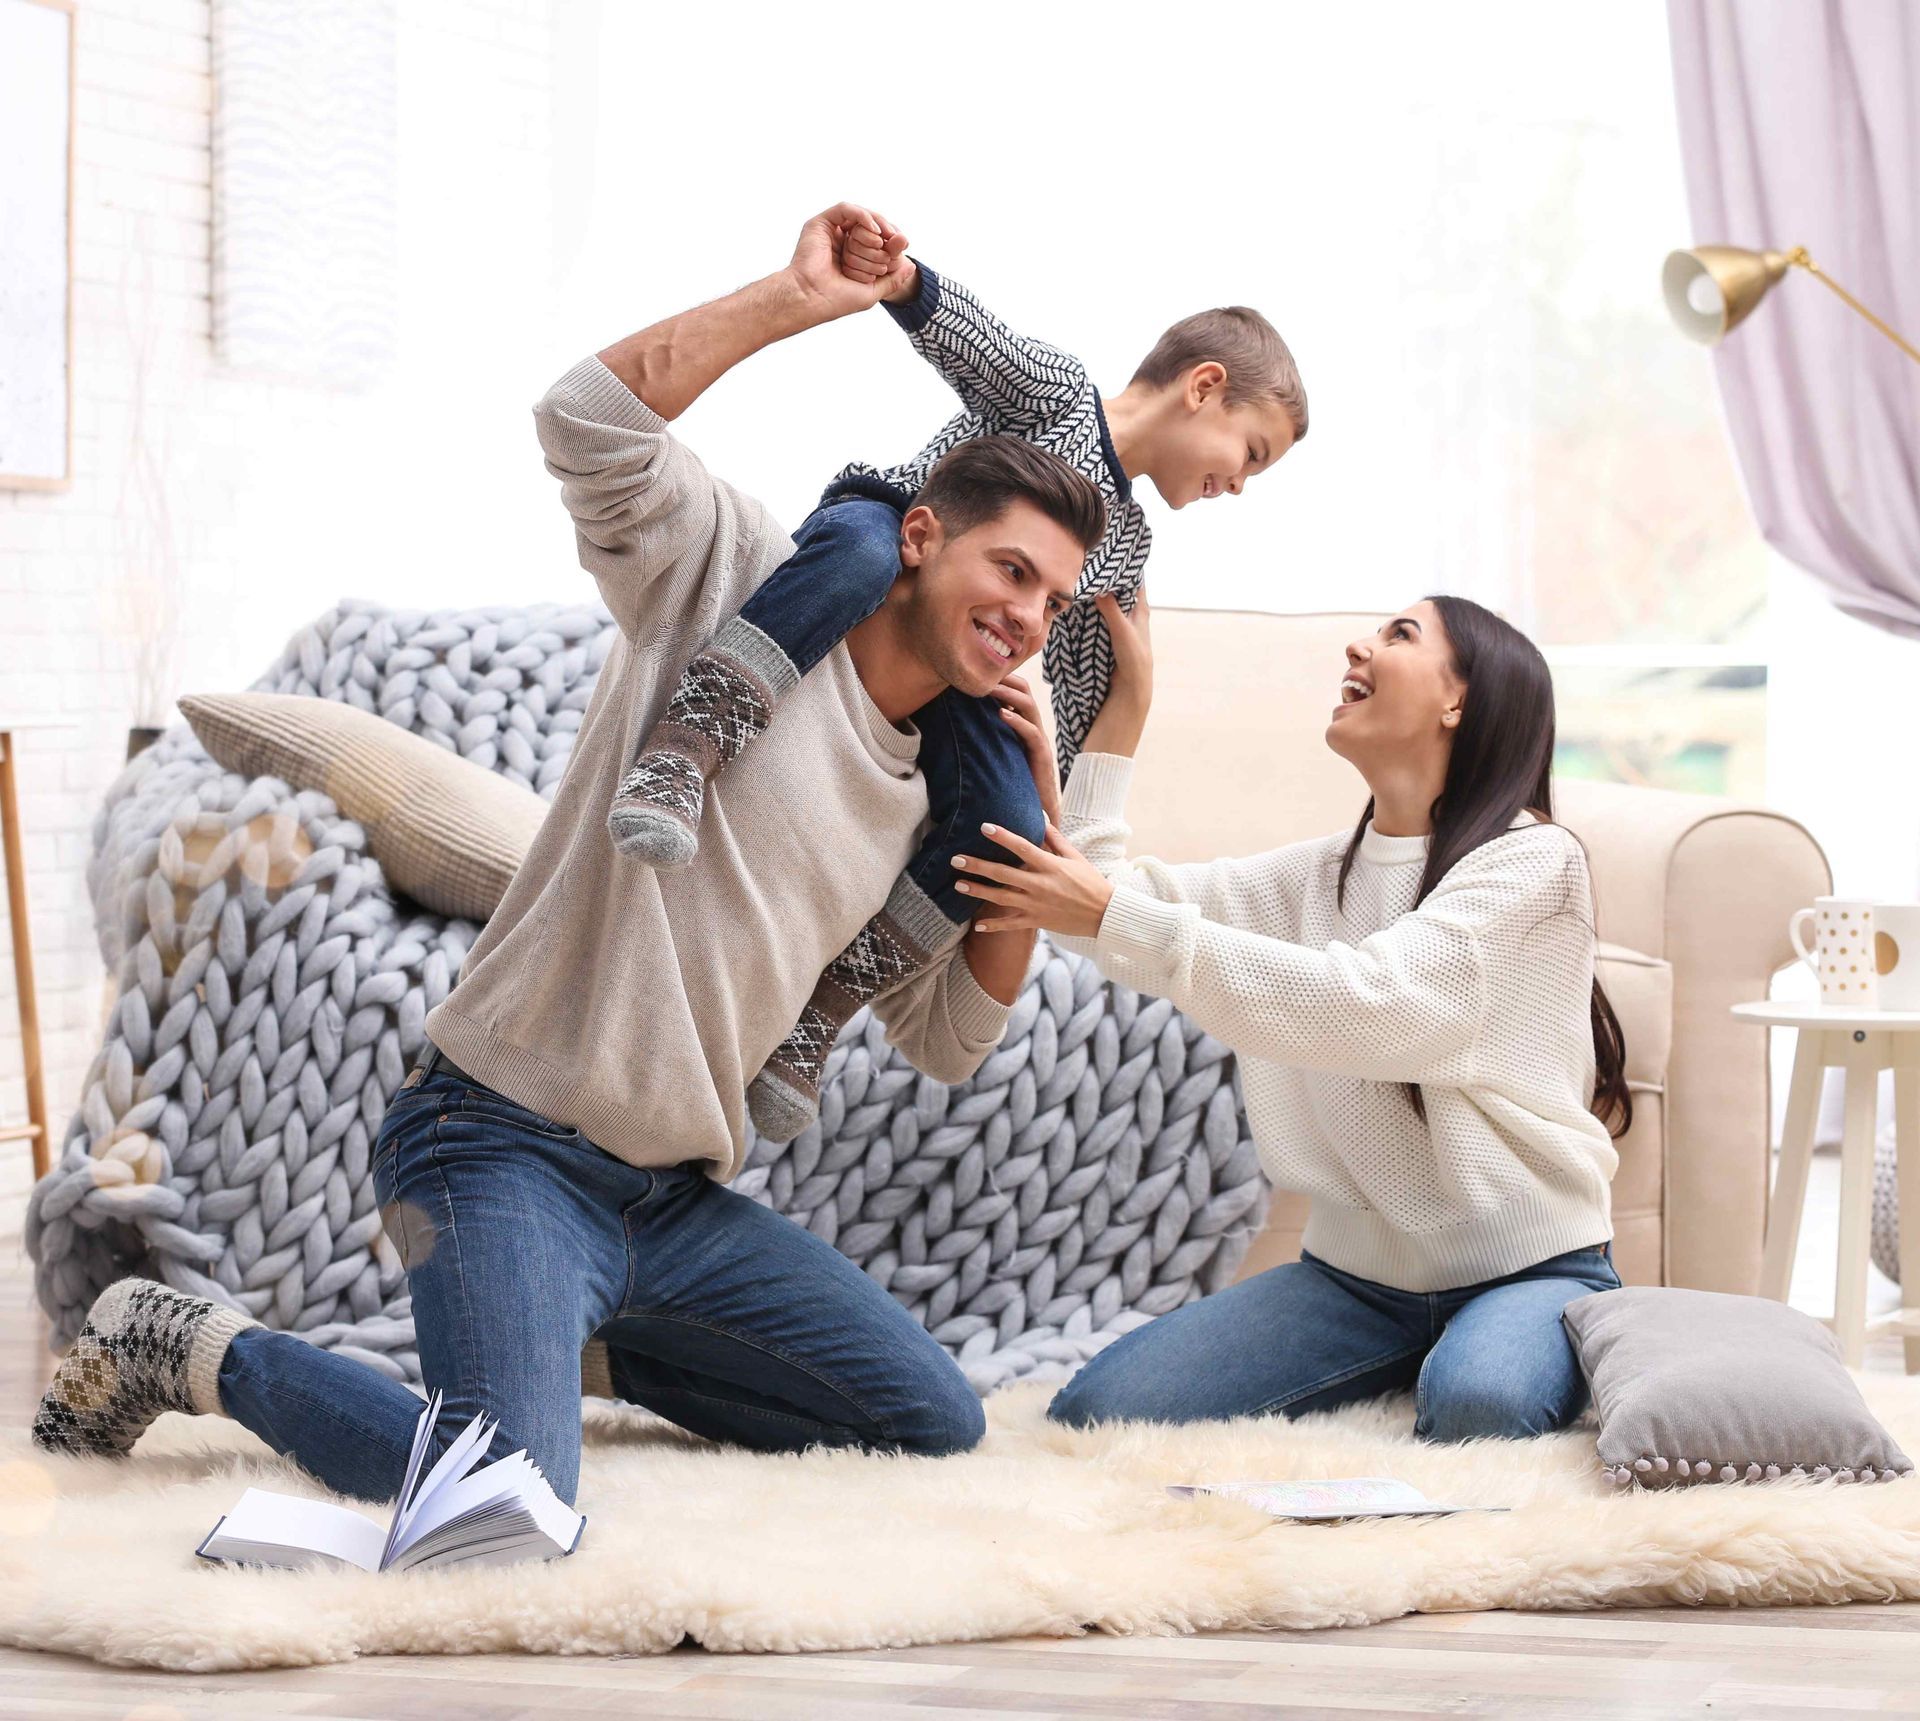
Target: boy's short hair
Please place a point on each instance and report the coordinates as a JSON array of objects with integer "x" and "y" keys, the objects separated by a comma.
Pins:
[
  {"x": 976, "y": 481},
  {"x": 1256, "y": 359}
]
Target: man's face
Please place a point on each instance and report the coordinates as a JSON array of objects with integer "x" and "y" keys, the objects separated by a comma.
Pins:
[{"x": 980, "y": 603}]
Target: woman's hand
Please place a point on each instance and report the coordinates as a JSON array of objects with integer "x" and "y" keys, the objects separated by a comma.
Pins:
[
  {"x": 1020, "y": 711},
  {"x": 1056, "y": 887},
  {"x": 1123, "y": 718}
]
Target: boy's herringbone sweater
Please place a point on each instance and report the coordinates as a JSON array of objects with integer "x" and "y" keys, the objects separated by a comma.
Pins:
[{"x": 1010, "y": 384}]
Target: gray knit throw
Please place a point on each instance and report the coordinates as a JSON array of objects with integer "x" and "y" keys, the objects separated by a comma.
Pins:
[{"x": 272, "y": 992}]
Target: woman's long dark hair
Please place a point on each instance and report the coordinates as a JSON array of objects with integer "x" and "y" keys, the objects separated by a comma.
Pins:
[{"x": 1501, "y": 767}]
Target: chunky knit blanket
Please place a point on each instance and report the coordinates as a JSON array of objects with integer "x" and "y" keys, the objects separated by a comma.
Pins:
[{"x": 272, "y": 992}]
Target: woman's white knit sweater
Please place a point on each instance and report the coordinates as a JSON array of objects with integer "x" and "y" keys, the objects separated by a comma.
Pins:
[{"x": 1479, "y": 995}]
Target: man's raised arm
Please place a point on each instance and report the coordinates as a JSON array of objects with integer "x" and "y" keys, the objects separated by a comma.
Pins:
[
  {"x": 645, "y": 510},
  {"x": 670, "y": 365}
]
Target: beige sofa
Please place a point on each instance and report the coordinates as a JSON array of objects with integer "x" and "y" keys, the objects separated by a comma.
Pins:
[{"x": 1693, "y": 897}]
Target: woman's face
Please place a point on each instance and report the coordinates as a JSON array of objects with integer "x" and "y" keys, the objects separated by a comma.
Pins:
[{"x": 1400, "y": 697}]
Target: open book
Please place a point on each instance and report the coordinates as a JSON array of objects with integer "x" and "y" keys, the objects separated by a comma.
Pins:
[
  {"x": 1327, "y": 1502},
  {"x": 495, "y": 1515}
]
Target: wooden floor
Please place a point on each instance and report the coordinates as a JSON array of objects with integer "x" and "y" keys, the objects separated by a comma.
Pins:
[{"x": 1760, "y": 1664}]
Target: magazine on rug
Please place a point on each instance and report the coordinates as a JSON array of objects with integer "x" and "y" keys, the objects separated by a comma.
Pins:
[
  {"x": 1329, "y": 1502},
  {"x": 496, "y": 1515}
]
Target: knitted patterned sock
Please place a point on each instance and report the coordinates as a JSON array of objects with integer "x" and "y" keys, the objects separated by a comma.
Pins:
[
  {"x": 144, "y": 1349},
  {"x": 902, "y": 940},
  {"x": 725, "y": 697}
]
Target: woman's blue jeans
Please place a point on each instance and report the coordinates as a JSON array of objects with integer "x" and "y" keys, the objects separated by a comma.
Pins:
[{"x": 1488, "y": 1359}]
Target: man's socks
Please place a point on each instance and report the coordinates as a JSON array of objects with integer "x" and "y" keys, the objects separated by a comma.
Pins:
[
  {"x": 902, "y": 940},
  {"x": 144, "y": 1349},
  {"x": 724, "y": 699}
]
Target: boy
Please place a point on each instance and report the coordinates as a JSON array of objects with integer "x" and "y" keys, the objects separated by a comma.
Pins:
[{"x": 1216, "y": 402}]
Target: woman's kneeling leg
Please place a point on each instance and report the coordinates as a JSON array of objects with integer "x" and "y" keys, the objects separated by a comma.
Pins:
[
  {"x": 1503, "y": 1367},
  {"x": 1293, "y": 1339}
]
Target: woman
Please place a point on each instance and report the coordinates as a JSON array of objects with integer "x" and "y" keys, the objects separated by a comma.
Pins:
[{"x": 1423, "y": 1047}]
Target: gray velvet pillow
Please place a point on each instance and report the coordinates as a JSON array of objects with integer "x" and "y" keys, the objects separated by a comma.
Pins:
[{"x": 1695, "y": 1386}]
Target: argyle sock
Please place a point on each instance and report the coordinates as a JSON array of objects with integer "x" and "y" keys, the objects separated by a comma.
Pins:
[
  {"x": 145, "y": 1348},
  {"x": 724, "y": 698},
  {"x": 902, "y": 940}
]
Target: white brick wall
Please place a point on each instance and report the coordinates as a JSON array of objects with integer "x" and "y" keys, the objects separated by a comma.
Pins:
[{"x": 281, "y": 498}]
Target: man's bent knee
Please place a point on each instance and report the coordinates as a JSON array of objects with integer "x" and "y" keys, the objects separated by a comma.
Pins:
[{"x": 944, "y": 1421}]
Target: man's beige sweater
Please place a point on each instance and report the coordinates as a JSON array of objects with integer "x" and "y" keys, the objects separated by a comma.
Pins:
[{"x": 636, "y": 1005}]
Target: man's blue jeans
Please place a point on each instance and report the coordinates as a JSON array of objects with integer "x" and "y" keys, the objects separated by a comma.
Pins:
[
  {"x": 522, "y": 1240},
  {"x": 1488, "y": 1359}
]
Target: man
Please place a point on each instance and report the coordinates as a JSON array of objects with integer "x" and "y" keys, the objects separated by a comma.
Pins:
[{"x": 556, "y": 1167}]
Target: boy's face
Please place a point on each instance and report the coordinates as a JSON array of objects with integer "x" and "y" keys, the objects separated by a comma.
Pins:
[
  {"x": 982, "y": 602},
  {"x": 1211, "y": 449}
]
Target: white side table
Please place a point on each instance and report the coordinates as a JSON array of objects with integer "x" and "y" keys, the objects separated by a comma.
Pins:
[{"x": 1863, "y": 1043}]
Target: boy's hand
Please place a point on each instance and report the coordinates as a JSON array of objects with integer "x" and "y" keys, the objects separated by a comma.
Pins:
[
  {"x": 904, "y": 282},
  {"x": 874, "y": 254},
  {"x": 1020, "y": 711},
  {"x": 1123, "y": 718},
  {"x": 845, "y": 260}
]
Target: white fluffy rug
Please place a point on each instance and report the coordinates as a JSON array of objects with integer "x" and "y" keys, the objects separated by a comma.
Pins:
[{"x": 1041, "y": 1531}]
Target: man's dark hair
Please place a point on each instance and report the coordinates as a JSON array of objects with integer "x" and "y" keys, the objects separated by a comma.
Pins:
[{"x": 976, "y": 482}]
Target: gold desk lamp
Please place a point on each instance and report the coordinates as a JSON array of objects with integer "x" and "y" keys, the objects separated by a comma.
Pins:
[{"x": 1711, "y": 289}]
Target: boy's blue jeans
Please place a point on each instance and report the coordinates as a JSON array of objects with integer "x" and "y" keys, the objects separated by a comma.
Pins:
[
  {"x": 846, "y": 557},
  {"x": 1488, "y": 1359},
  {"x": 522, "y": 1240}
]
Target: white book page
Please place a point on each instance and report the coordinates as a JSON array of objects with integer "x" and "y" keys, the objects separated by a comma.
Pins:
[
  {"x": 1339, "y": 1497},
  {"x": 558, "y": 1521},
  {"x": 454, "y": 1463},
  {"x": 422, "y": 1433},
  {"x": 526, "y": 1514},
  {"x": 505, "y": 1479},
  {"x": 300, "y": 1526}
]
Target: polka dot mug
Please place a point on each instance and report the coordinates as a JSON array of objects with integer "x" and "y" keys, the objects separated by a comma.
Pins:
[{"x": 1841, "y": 952}]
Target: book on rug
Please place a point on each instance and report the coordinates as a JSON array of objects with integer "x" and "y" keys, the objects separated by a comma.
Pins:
[
  {"x": 1329, "y": 1502},
  {"x": 495, "y": 1515}
]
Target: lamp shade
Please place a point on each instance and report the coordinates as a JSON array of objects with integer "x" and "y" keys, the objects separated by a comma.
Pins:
[{"x": 1710, "y": 289}]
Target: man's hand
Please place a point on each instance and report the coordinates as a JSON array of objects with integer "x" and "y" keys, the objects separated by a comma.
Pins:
[
  {"x": 848, "y": 259},
  {"x": 1055, "y": 888},
  {"x": 1123, "y": 718}
]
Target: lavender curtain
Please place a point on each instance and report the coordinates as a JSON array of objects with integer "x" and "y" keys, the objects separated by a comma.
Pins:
[{"x": 1800, "y": 125}]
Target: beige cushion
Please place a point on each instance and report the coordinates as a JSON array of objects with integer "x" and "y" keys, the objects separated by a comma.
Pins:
[
  {"x": 447, "y": 832},
  {"x": 1640, "y": 988}
]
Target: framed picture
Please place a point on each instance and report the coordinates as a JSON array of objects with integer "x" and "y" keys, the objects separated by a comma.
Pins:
[{"x": 36, "y": 244}]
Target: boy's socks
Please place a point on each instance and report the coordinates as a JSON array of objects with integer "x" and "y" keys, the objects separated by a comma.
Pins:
[
  {"x": 902, "y": 940},
  {"x": 145, "y": 1348},
  {"x": 724, "y": 698}
]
